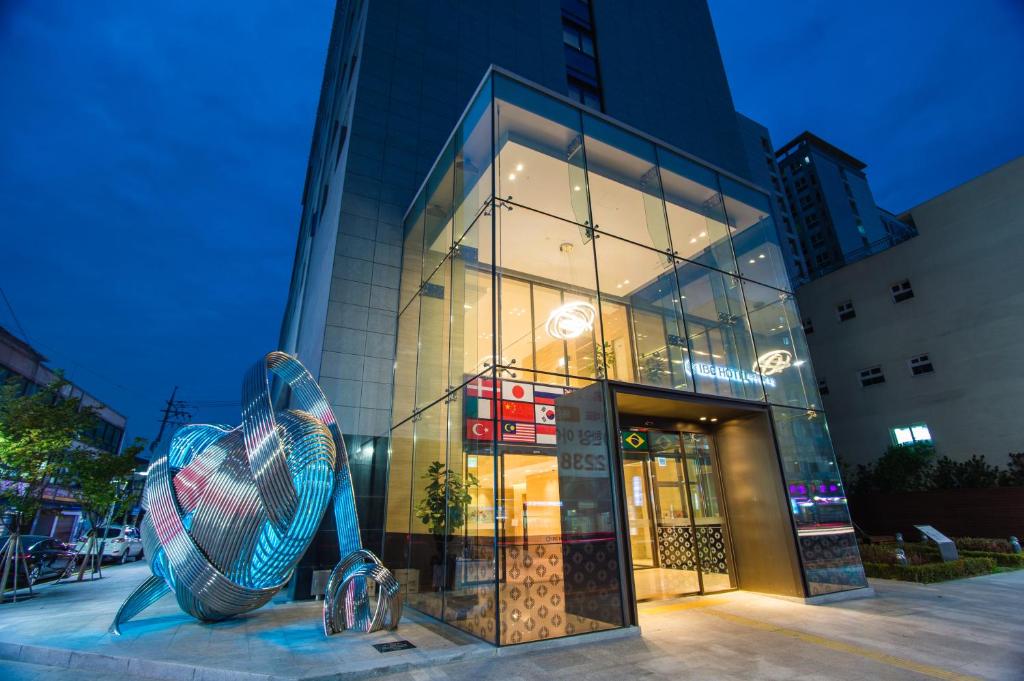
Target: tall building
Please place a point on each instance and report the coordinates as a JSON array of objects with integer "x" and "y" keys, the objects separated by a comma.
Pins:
[
  {"x": 765, "y": 172},
  {"x": 25, "y": 367},
  {"x": 922, "y": 342},
  {"x": 597, "y": 348},
  {"x": 832, "y": 205}
]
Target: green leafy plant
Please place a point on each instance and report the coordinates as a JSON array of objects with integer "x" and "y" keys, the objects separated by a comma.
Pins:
[
  {"x": 97, "y": 479},
  {"x": 900, "y": 469},
  {"x": 446, "y": 500}
]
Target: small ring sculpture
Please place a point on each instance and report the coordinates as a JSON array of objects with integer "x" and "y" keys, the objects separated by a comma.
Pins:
[{"x": 230, "y": 511}]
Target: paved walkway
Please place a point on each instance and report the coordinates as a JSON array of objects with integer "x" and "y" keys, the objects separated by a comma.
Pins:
[{"x": 968, "y": 629}]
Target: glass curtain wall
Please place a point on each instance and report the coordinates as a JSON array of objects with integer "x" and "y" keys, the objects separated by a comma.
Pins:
[{"x": 549, "y": 250}]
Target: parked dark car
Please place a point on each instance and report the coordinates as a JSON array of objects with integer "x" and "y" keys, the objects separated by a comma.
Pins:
[{"x": 45, "y": 556}]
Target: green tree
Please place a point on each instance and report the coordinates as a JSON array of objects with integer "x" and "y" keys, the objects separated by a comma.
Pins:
[
  {"x": 1013, "y": 476},
  {"x": 38, "y": 435},
  {"x": 972, "y": 473},
  {"x": 906, "y": 468},
  {"x": 98, "y": 479}
]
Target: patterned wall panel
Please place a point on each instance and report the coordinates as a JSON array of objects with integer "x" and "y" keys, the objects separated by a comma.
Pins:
[
  {"x": 677, "y": 547},
  {"x": 711, "y": 548},
  {"x": 832, "y": 562}
]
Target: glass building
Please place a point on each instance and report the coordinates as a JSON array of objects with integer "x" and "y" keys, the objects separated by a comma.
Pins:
[{"x": 603, "y": 394}]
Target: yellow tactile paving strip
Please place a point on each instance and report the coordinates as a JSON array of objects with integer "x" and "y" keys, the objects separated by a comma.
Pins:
[{"x": 707, "y": 604}]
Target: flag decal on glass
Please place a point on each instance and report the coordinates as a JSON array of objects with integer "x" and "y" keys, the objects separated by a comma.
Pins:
[{"x": 518, "y": 432}]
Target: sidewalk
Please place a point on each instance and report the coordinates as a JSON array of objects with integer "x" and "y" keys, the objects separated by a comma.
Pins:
[{"x": 65, "y": 625}]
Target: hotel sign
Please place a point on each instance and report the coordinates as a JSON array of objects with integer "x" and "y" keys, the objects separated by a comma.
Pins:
[{"x": 721, "y": 372}]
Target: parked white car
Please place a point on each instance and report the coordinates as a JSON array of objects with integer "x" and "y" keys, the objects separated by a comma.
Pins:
[{"x": 121, "y": 543}]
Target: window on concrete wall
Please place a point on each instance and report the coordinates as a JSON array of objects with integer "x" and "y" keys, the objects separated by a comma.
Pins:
[
  {"x": 911, "y": 435},
  {"x": 921, "y": 364},
  {"x": 872, "y": 376},
  {"x": 901, "y": 291},
  {"x": 845, "y": 311}
]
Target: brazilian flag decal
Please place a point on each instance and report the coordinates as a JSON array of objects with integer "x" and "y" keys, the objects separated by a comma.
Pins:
[{"x": 634, "y": 441}]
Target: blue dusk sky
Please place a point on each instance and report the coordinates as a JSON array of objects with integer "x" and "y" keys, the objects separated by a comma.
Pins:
[{"x": 152, "y": 157}]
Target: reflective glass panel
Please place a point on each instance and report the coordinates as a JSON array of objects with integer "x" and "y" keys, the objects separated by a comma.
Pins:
[
  {"x": 696, "y": 213},
  {"x": 432, "y": 354},
  {"x": 754, "y": 237},
  {"x": 625, "y": 190},
  {"x": 427, "y": 568},
  {"x": 558, "y": 570},
  {"x": 644, "y": 336},
  {"x": 473, "y": 162},
  {"x": 399, "y": 505},
  {"x": 540, "y": 152},
  {"x": 405, "y": 362},
  {"x": 472, "y": 333},
  {"x": 412, "y": 254},
  {"x": 547, "y": 295},
  {"x": 470, "y": 601},
  {"x": 818, "y": 501},
  {"x": 782, "y": 353},
  {"x": 722, "y": 359},
  {"x": 438, "y": 211}
]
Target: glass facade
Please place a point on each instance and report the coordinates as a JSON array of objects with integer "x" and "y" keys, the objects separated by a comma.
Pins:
[{"x": 548, "y": 252}]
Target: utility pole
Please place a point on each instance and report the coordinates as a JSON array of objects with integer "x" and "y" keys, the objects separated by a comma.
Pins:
[{"x": 173, "y": 408}]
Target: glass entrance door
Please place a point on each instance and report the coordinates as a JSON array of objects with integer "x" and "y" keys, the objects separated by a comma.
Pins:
[{"x": 677, "y": 530}]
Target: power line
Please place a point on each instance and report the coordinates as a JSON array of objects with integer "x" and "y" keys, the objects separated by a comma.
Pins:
[{"x": 14, "y": 316}]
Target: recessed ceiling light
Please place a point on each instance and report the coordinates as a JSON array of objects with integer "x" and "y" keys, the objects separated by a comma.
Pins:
[
  {"x": 576, "y": 188},
  {"x": 703, "y": 234},
  {"x": 519, "y": 167},
  {"x": 703, "y": 418},
  {"x": 761, "y": 256},
  {"x": 512, "y": 176},
  {"x": 752, "y": 261},
  {"x": 693, "y": 240},
  {"x": 715, "y": 420}
]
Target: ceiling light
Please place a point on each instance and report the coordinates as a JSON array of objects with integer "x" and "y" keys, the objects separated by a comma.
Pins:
[
  {"x": 752, "y": 261},
  {"x": 761, "y": 256},
  {"x": 512, "y": 176},
  {"x": 703, "y": 234},
  {"x": 519, "y": 167},
  {"x": 625, "y": 281},
  {"x": 715, "y": 420},
  {"x": 576, "y": 188},
  {"x": 693, "y": 240},
  {"x": 571, "y": 320},
  {"x": 703, "y": 418}
]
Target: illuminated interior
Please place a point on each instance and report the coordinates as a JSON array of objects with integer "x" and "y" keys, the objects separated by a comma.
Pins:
[{"x": 548, "y": 252}]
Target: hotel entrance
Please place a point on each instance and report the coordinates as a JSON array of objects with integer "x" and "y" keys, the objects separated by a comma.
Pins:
[{"x": 678, "y": 535}]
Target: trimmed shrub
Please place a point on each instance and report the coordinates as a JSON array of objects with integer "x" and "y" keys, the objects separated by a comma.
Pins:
[
  {"x": 1010, "y": 560},
  {"x": 932, "y": 572},
  {"x": 983, "y": 544}
]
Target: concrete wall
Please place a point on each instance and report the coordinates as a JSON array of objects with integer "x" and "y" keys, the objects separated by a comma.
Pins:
[{"x": 967, "y": 314}]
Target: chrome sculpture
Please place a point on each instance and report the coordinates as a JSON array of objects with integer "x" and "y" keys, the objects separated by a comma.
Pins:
[{"x": 230, "y": 511}]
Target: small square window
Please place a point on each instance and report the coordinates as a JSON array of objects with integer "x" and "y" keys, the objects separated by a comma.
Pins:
[
  {"x": 901, "y": 291},
  {"x": 808, "y": 325},
  {"x": 872, "y": 376},
  {"x": 822, "y": 386},
  {"x": 845, "y": 311},
  {"x": 919, "y": 433},
  {"x": 921, "y": 364}
]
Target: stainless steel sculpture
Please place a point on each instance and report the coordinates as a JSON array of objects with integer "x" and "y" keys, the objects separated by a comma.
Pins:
[{"x": 230, "y": 511}]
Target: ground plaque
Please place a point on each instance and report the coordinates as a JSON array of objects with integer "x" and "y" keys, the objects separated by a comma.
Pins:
[
  {"x": 392, "y": 646},
  {"x": 947, "y": 549}
]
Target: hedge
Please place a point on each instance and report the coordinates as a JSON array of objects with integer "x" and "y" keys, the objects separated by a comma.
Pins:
[
  {"x": 1010, "y": 560},
  {"x": 983, "y": 544},
  {"x": 932, "y": 572}
]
